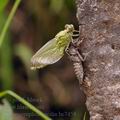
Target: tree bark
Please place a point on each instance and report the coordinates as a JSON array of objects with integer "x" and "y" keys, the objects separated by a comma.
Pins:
[{"x": 99, "y": 25}]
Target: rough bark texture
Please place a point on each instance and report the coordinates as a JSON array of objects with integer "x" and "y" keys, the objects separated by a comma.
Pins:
[{"x": 99, "y": 22}]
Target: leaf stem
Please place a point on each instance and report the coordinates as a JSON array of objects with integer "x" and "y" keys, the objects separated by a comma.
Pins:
[
  {"x": 84, "y": 118},
  {"x": 8, "y": 21},
  {"x": 23, "y": 101}
]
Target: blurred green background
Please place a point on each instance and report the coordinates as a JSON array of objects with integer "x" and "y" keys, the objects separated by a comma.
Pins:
[{"x": 53, "y": 89}]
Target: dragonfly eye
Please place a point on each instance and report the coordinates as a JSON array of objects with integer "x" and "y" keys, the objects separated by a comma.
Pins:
[
  {"x": 69, "y": 27},
  {"x": 66, "y": 26}
]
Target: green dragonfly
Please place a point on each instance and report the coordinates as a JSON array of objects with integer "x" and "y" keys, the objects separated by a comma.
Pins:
[{"x": 54, "y": 49}]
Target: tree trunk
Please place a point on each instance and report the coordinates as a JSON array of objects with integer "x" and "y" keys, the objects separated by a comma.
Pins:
[{"x": 99, "y": 25}]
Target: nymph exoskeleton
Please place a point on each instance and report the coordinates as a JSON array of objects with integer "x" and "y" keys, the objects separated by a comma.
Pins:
[{"x": 77, "y": 60}]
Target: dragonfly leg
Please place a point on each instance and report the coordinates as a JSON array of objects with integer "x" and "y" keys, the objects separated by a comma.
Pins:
[
  {"x": 75, "y": 34},
  {"x": 67, "y": 50},
  {"x": 85, "y": 55},
  {"x": 76, "y": 31},
  {"x": 77, "y": 42}
]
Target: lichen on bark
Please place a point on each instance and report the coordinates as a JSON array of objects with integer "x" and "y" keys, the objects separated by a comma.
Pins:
[{"x": 99, "y": 25}]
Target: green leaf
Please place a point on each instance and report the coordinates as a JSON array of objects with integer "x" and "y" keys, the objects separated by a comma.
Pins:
[
  {"x": 6, "y": 112},
  {"x": 3, "y": 4},
  {"x": 2, "y": 20},
  {"x": 6, "y": 63}
]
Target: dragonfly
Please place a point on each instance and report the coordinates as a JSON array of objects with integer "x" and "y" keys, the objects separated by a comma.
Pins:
[{"x": 54, "y": 49}]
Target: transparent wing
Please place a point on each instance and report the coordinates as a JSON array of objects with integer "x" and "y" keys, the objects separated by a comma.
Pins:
[{"x": 48, "y": 54}]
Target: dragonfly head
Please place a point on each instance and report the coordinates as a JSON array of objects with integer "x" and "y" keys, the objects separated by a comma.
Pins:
[{"x": 69, "y": 27}]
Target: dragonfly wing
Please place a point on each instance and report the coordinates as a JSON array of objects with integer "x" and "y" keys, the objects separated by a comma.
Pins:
[{"x": 48, "y": 54}]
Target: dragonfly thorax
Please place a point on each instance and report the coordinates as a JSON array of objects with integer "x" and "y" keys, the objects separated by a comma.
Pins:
[{"x": 64, "y": 38}]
